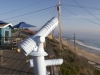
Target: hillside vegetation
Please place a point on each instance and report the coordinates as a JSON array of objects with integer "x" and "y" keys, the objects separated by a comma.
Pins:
[{"x": 73, "y": 64}]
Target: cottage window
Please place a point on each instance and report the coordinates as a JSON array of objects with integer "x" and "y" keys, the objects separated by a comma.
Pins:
[{"x": 6, "y": 35}]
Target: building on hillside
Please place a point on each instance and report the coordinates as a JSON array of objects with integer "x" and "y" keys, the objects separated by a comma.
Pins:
[{"x": 5, "y": 32}]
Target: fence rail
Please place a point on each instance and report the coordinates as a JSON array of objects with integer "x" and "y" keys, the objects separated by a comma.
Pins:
[
  {"x": 10, "y": 42},
  {"x": 54, "y": 70}
]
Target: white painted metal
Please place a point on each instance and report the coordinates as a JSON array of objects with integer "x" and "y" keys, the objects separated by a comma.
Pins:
[
  {"x": 30, "y": 44},
  {"x": 39, "y": 65},
  {"x": 47, "y": 62},
  {"x": 39, "y": 62},
  {"x": 53, "y": 62},
  {"x": 34, "y": 46},
  {"x": 30, "y": 61}
]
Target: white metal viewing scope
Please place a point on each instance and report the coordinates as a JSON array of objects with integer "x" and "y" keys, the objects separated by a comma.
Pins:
[
  {"x": 30, "y": 44},
  {"x": 34, "y": 46}
]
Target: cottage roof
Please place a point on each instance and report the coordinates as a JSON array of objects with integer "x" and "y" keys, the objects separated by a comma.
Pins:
[{"x": 4, "y": 24}]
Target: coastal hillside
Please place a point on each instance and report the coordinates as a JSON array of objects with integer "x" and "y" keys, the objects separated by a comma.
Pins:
[{"x": 73, "y": 64}]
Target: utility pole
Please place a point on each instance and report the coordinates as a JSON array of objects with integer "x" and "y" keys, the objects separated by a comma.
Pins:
[
  {"x": 74, "y": 43},
  {"x": 59, "y": 23}
]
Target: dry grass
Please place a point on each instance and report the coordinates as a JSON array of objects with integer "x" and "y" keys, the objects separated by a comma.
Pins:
[{"x": 73, "y": 64}]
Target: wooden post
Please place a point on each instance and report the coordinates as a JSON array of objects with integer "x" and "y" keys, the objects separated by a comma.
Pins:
[
  {"x": 19, "y": 33},
  {"x": 51, "y": 70},
  {"x": 1, "y": 58},
  {"x": 74, "y": 43},
  {"x": 53, "y": 34},
  {"x": 60, "y": 25},
  {"x": 12, "y": 42}
]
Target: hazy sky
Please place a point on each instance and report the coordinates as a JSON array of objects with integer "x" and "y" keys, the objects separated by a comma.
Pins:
[{"x": 73, "y": 21}]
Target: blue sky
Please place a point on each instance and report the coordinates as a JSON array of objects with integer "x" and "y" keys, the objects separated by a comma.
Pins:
[{"x": 70, "y": 23}]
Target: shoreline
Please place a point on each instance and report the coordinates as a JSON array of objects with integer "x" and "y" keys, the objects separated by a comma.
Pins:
[
  {"x": 90, "y": 50},
  {"x": 90, "y": 56}
]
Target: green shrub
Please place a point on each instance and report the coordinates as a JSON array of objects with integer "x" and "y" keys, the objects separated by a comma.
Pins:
[
  {"x": 73, "y": 64},
  {"x": 96, "y": 72}
]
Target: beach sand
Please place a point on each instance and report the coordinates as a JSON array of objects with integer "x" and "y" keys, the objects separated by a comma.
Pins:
[{"x": 82, "y": 52}]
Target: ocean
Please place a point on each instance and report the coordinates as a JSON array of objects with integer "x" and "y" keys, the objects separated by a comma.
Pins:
[{"x": 90, "y": 43}]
